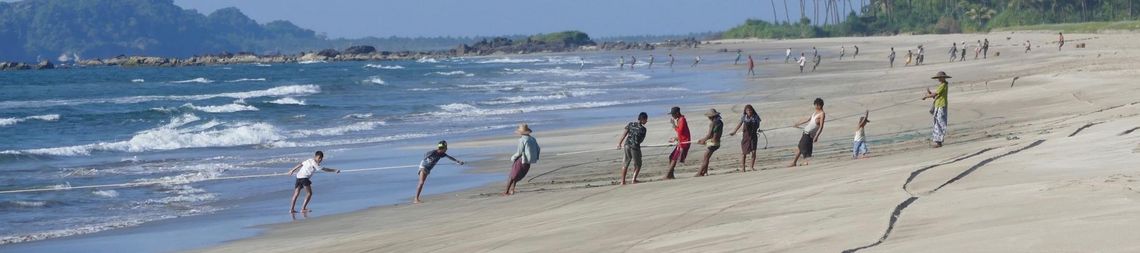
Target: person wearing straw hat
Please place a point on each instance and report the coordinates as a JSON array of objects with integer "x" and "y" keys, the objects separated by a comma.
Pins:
[
  {"x": 429, "y": 161},
  {"x": 681, "y": 141},
  {"x": 630, "y": 143},
  {"x": 711, "y": 140},
  {"x": 940, "y": 97},
  {"x": 304, "y": 171},
  {"x": 813, "y": 128},
  {"x": 525, "y": 155},
  {"x": 750, "y": 121},
  {"x": 859, "y": 149}
]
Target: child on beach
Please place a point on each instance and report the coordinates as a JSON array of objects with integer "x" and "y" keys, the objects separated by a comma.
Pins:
[
  {"x": 856, "y": 52},
  {"x": 711, "y": 140},
  {"x": 428, "y": 162},
  {"x": 909, "y": 57},
  {"x": 802, "y": 62},
  {"x": 632, "y": 62},
  {"x": 842, "y": 52},
  {"x": 750, "y": 121},
  {"x": 696, "y": 61},
  {"x": 954, "y": 52},
  {"x": 813, "y": 128},
  {"x": 303, "y": 172},
  {"x": 1028, "y": 46},
  {"x": 787, "y": 55},
  {"x": 621, "y": 63},
  {"x": 859, "y": 149},
  {"x": 738, "y": 54},
  {"x": 891, "y": 57},
  {"x": 650, "y": 62},
  {"x": 671, "y": 60},
  {"x": 630, "y": 144},
  {"x": 525, "y": 155},
  {"x": 681, "y": 150},
  {"x": 751, "y": 66}
]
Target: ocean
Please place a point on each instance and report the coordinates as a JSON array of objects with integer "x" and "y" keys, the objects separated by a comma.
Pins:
[{"x": 181, "y": 134}]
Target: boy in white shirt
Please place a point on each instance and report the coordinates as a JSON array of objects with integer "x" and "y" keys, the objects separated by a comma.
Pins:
[
  {"x": 859, "y": 149},
  {"x": 304, "y": 171}
]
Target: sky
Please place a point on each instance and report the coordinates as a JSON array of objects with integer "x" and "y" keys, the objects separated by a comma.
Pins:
[{"x": 599, "y": 18}]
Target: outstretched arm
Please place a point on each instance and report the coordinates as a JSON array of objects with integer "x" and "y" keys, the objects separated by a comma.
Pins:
[
  {"x": 295, "y": 168},
  {"x": 327, "y": 169},
  {"x": 738, "y": 125},
  {"x": 457, "y": 161},
  {"x": 624, "y": 134}
]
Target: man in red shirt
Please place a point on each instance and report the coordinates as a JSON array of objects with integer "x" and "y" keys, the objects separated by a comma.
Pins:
[{"x": 681, "y": 150}]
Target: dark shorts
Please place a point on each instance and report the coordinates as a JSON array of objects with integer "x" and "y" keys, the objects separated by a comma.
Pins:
[
  {"x": 680, "y": 152},
  {"x": 713, "y": 148},
  {"x": 632, "y": 155},
  {"x": 805, "y": 146},
  {"x": 426, "y": 171},
  {"x": 302, "y": 182},
  {"x": 519, "y": 170},
  {"x": 748, "y": 144}
]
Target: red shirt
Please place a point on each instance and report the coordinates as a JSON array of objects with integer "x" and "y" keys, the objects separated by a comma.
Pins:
[{"x": 682, "y": 130}]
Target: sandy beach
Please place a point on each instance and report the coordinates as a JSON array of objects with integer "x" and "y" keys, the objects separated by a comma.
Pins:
[{"x": 1045, "y": 163}]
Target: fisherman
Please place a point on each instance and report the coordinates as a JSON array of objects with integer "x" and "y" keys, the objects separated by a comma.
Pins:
[
  {"x": 303, "y": 172},
  {"x": 428, "y": 163},
  {"x": 681, "y": 142},
  {"x": 630, "y": 144},
  {"x": 711, "y": 140},
  {"x": 525, "y": 155},
  {"x": 812, "y": 129},
  {"x": 940, "y": 108},
  {"x": 891, "y": 57}
]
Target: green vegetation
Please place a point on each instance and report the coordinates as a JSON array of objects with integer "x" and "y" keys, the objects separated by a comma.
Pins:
[
  {"x": 885, "y": 17},
  {"x": 567, "y": 38},
  {"x": 46, "y": 29}
]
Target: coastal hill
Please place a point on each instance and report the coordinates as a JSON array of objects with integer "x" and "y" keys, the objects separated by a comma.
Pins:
[{"x": 60, "y": 30}]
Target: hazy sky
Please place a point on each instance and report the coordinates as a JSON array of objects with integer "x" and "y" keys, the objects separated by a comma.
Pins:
[{"x": 599, "y": 18}]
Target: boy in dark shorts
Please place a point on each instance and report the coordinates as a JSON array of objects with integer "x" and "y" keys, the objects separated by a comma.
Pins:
[
  {"x": 630, "y": 144},
  {"x": 429, "y": 161},
  {"x": 813, "y": 127},
  {"x": 304, "y": 171},
  {"x": 711, "y": 140}
]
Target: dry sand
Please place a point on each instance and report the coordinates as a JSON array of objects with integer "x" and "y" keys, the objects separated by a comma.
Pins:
[{"x": 1048, "y": 165}]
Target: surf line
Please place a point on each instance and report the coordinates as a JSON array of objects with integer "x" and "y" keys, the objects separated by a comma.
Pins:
[
  {"x": 897, "y": 213},
  {"x": 137, "y": 184}
]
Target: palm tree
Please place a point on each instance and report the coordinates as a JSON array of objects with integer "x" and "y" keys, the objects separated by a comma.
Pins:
[
  {"x": 775, "y": 17},
  {"x": 787, "y": 17}
]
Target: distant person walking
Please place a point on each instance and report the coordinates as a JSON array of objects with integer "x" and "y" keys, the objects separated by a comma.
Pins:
[
  {"x": 859, "y": 148},
  {"x": 1028, "y": 46},
  {"x": 737, "y": 61},
  {"x": 711, "y": 140},
  {"x": 813, "y": 128},
  {"x": 986, "y": 48},
  {"x": 818, "y": 59},
  {"x": 681, "y": 141},
  {"x": 940, "y": 108},
  {"x": 621, "y": 63},
  {"x": 802, "y": 62},
  {"x": 650, "y": 62},
  {"x": 696, "y": 60},
  {"x": 921, "y": 55},
  {"x": 842, "y": 52},
  {"x": 1060, "y": 41},
  {"x": 787, "y": 55},
  {"x": 978, "y": 50},
  {"x": 909, "y": 56},
  {"x": 428, "y": 163},
  {"x": 963, "y": 57},
  {"x": 304, "y": 172},
  {"x": 525, "y": 155},
  {"x": 751, "y": 66},
  {"x": 856, "y": 52},
  {"x": 750, "y": 121},
  {"x": 954, "y": 52},
  {"x": 891, "y": 57},
  {"x": 632, "y": 61},
  {"x": 581, "y": 63},
  {"x": 671, "y": 60},
  {"x": 630, "y": 144}
]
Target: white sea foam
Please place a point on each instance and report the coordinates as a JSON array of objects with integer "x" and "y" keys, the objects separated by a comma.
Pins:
[
  {"x": 509, "y": 60},
  {"x": 139, "y": 80},
  {"x": 338, "y": 130},
  {"x": 467, "y": 110},
  {"x": 358, "y": 116},
  {"x": 378, "y": 66},
  {"x": 195, "y": 80},
  {"x": 280, "y": 91},
  {"x": 424, "y": 89},
  {"x": 235, "y": 107},
  {"x": 287, "y": 101},
  {"x": 106, "y": 193},
  {"x": 427, "y": 60},
  {"x": 374, "y": 80},
  {"x": 13, "y": 121},
  {"x": 178, "y": 134},
  {"x": 310, "y": 62},
  {"x": 556, "y": 96},
  {"x": 262, "y": 65},
  {"x": 246, "y": 80},
  {"x": 451, "y": 73}
]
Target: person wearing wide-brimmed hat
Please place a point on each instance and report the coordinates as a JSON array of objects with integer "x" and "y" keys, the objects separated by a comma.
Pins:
[
  {"x": 525, "y": 156},
  {"x": 681, "y": 141},
  {"x": 940, "y": 97},
  {"x": 711, "y": 140}
]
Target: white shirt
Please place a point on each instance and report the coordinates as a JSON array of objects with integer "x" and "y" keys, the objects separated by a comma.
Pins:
[
  {"x": 859, "y": 135},
  {"x": 802, "y": 61},
  {"x": 308, "y": 167},
  {"x": 788, "y": 53}
]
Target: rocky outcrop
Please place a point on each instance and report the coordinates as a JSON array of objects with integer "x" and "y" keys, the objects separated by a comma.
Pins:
[
  {"x": 45, "y": 64},
  {"x": 360, "y": 50},
  {"x": 328, "y": 53}
]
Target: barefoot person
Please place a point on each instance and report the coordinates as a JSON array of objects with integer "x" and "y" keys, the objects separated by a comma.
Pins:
[
  {"x": 696, "y": 60},
  {"x": 859, "y": 149},
  {"x": 711, "y": 140},
  {"x": 681, "y": 141},
  {"x": 525, "y": 155},
  {"x": 751, "y": 66},
  {"x": 304, "y": 171},
  {"x": 750, "y": 121},
  {"x": 813, "y": 128},
  {"x": 630, "y": 144},
  {"x": 787, "y": 55},
  {"x": 671, "y": 60},
  {"x": 650, "y": 62},
  {"x": 1060, "y": 41},
  {"x": 738, "y": 55},
  {"x": 940, "y": 106},
  {"x": 621, "y": 63},
  {"x": 891, "y": 57},
  {"x": 802, "y": 61},
  {"x": 429, "y": 161}
]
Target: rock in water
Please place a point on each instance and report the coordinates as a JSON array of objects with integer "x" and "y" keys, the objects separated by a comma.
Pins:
[
  {"x": 45, "y": 64},
  {"x": 360, "y": 50}
]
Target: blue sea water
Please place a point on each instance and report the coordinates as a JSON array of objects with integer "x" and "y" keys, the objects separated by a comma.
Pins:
[{"x": 179, "y": 128}]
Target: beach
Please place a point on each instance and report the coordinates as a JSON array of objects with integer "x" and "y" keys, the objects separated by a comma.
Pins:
[{"x": 1043, "y": 164}]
